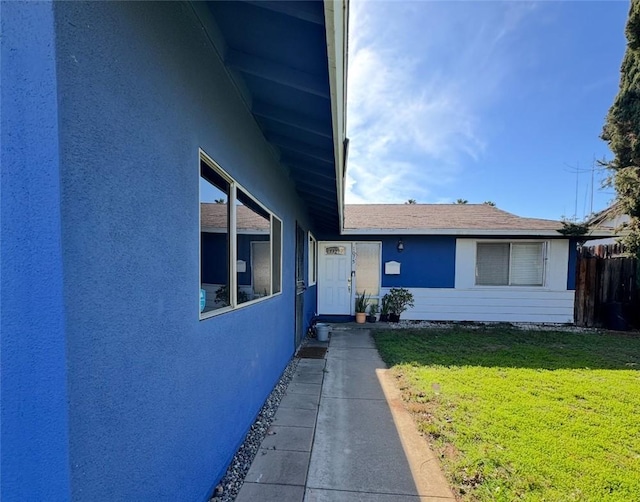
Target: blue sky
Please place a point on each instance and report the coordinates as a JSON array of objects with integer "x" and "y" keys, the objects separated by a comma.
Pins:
[{"x": 482, "y": 100}]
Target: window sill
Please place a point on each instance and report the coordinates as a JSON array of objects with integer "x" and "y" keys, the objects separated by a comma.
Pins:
[
  {"x": 511, "y": 288},
  {"x": 214, "y": 313}
]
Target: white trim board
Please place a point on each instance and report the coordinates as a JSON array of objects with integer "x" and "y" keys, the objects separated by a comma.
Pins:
[{"x": 336, "y": 15}]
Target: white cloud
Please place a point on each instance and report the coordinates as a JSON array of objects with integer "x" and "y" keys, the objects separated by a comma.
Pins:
[{"x": 420, "y": 76}]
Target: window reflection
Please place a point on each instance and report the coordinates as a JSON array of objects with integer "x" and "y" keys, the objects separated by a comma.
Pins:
[
  {"x": 237, "y": 236},
  {"x": 214, "y": 239},
  {"x": 253, "y": 249}
]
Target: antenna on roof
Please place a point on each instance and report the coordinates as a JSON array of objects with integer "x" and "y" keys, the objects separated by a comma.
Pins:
[{"x": 593, "y": 170}]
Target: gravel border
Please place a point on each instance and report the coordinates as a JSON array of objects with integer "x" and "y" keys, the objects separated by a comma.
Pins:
[
  {"x": 229, "y": 486},
  {"x": 524, "y": 326}
]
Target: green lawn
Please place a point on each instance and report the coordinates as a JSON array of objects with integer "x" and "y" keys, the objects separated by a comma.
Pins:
[{"x": 525, "y": 415}]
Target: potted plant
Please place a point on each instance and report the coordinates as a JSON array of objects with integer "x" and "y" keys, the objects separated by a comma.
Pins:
[
  {"x": 373, "y": 310},
  {"x": 384, "y": 310},
  {"x": 362, "y": 302},
  {"x": 400, "y": 299}
]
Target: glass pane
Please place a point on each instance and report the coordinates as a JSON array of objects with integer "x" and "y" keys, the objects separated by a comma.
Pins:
[
  {"x": 214, "y": 239},
  {"x": 313, "y": 262},
  {"x": 300, "y": 255},
  {"x": 276, "y": 254},
  {"x": 492, "y": 264},
  {"x": 260, "y": 259},
  {"x": 253, "y": 225},
  {"x": 368, "y": 268},
  {"x": 526, "y": 264}
]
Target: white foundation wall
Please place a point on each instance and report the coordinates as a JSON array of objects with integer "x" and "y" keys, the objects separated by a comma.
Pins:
[
  {"x": 475, "y": 305},
  {"x": 550, "y": 303}
]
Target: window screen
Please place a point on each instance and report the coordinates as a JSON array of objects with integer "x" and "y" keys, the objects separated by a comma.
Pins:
[
  {"x": 510, "y": 264},
  {"x": 368, "y": 268},
  {"x": 526, "y": 264},
  {"x": 492, "y": 264}
]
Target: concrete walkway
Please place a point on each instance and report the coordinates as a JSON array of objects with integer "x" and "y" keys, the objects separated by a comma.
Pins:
[{"x": 341, "y": 433}]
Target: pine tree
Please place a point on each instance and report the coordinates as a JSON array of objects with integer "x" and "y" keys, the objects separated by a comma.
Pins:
[{"x": 622, "y": 131}]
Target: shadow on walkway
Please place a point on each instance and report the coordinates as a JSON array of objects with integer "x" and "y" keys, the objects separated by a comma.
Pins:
[{"x": 341, "y": 433}]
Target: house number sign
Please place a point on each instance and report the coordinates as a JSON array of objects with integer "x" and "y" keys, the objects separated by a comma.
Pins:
[{"x": 333, "y": 250}]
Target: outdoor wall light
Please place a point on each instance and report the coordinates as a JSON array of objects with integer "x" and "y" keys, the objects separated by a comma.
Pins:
[{"x": 400, "y": 246}]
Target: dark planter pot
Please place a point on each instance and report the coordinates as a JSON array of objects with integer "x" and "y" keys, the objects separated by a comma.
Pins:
[
  {"x": 384, "y": 317},
  {"x": 371, "y": 318},
  {"x": 394, "y": 317}
]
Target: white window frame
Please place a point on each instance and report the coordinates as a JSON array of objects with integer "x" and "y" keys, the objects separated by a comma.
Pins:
[
  {"x": 545, "y": 257},
  {"x": 234, "y": 186},
  {"x": 312, "y": 258}
]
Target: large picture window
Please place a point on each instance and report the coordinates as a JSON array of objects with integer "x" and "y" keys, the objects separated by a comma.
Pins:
[
  {"x": 510, "y": 264},
  {"x": 240, "y": 244}
]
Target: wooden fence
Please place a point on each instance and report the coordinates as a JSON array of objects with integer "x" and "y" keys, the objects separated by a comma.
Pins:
[{"x": 607, "y": 292}]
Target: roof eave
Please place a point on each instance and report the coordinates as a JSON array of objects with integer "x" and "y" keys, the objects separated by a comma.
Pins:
[
  {"x": 336, "y": 13},
  {"x": 600, "y": 234},
  {"x": 456, "y": 231}
]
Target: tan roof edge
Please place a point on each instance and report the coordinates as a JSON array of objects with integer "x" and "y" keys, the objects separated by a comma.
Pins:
[
  {"x": 474, "y": 232},
  {"x": 455, "y": 231},
  {"x": 336, "y": 15}
]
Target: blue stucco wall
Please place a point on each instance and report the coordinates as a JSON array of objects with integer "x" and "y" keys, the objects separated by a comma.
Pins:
[
  {"x": 34, "y": 440},
  {"x": 159, "y": 400},
  {"x": 573, "y": 262},
  {"x": 426, "y": 262}
]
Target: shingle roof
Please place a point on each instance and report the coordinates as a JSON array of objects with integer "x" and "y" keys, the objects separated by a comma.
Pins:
[
  {"x": 606, "y": 215},
  {"x": 214, "y": 216},
  {"x": 423, "y": 218}
]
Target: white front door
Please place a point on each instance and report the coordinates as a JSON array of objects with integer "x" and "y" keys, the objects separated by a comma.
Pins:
[{"x": 334, "y": 278}]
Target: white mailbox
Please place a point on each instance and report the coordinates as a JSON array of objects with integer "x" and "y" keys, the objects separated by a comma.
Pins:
[{"x": 392, "y": 268}]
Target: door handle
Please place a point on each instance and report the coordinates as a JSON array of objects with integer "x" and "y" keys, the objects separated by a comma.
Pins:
[{"x": 349, "y": 284}]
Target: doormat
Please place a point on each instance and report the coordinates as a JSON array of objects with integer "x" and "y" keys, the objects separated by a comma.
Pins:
[{"x": 311, "y": 353}]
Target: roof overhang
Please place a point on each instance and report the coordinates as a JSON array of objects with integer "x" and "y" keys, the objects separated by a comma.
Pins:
[
  {"x": 474, "y": 232},
  {"x": 288, "y": 61},
  {"x": 336, "y": 14},
  {"x": 600, "y": 234}
]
